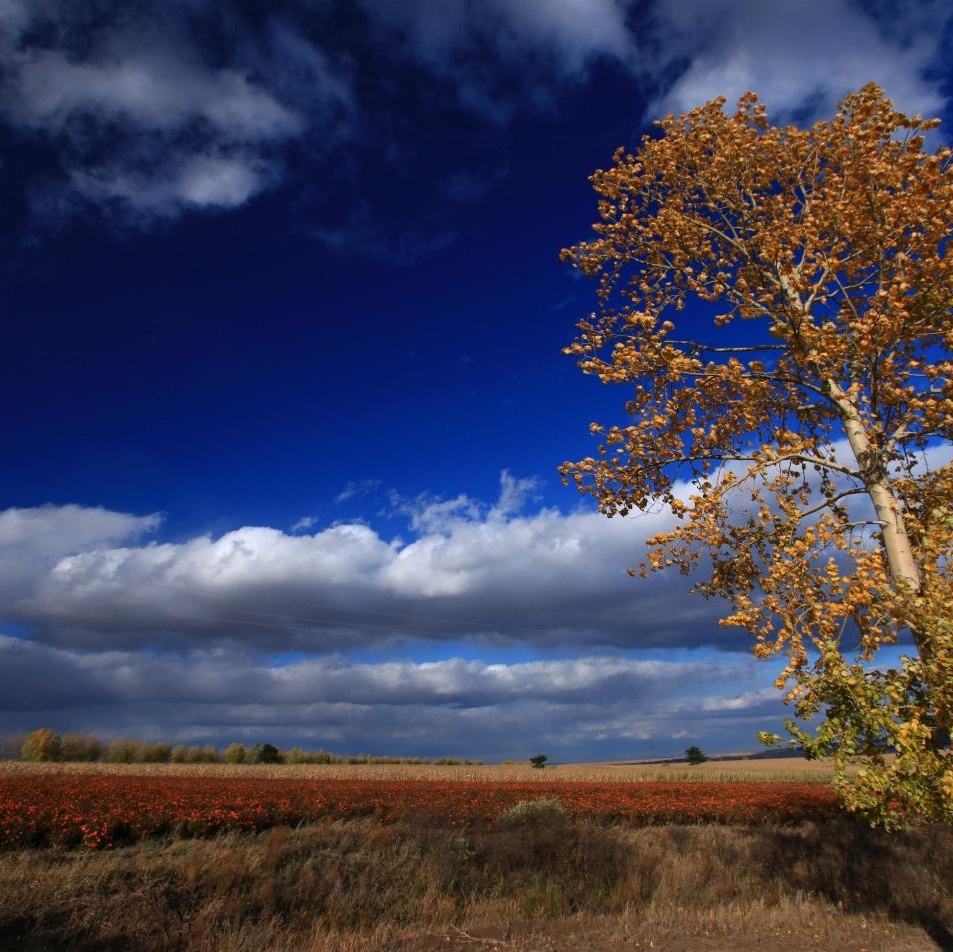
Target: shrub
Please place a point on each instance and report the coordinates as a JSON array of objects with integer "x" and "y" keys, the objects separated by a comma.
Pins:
[{"x": 547, "y": 812}]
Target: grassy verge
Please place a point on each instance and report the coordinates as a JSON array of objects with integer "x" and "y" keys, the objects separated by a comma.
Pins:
[{"x": 537, "y": 879}]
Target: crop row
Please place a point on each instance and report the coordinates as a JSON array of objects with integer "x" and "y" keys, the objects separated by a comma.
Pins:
[{"x": 107, "y": 810}]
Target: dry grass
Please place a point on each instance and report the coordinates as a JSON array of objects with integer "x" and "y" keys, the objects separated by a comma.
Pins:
[
  {"x": 779, "y": 769},
  {"x": 542, "y": 882},
  {"x": 547, "y": 884}
]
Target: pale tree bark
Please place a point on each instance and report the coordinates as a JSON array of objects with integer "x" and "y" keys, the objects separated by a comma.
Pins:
[
  {"x": 896, "y": 541},
  {"x": 870, "y": 466}
]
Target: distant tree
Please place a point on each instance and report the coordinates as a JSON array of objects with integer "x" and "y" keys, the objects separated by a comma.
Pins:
[
  {"x": 154, "y": 752},
  {"x": 266, "y": 754},
  {"x": 786, "y": 420},
  {"x": 695, "y": 755},
  {"x": 42, "y": 744},
  {"x": 539, "y": 761},
  {"x": 235, "y": 754},
  {"x": 193, "y": 754},
  {"x": 206, "y": 754},
  {"x": 81, "y": 747},
  {"x": 123, "y": 750}
]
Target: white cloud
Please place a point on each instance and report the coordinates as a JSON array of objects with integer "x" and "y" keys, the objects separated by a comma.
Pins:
[
  {"x": 143, "y": 123},
  {"x": 741, "y": 702},
  {"x": 198, "y": 182},
  {"x": 226, "y": 611},
  {"x": 355, "y": 488},
  {"x": 53, "y": 531},
  {"x": 515, "y": 493},
  {"x": 800, "y": 58},
  {"x": 472, "y": 572},
  {"x": 33, "y": 540},
  {"x": 154, "y": 92},
  {"x": 578, "y": 30}
]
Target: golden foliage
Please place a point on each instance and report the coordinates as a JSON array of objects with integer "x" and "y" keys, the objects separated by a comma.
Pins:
[{"x": 793, "y": 450}]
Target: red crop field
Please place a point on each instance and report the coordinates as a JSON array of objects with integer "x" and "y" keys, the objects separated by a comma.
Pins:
[{"x": 102, "y": 810}]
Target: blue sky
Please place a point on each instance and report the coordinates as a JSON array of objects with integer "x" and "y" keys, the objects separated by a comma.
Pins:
[{"x": 284, "y": 396}]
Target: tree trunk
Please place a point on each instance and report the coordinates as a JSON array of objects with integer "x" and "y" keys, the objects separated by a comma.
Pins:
[{"x": 896, "y": 542}]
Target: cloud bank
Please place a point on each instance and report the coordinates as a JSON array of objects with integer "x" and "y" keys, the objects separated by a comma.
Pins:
[
  {"x": 260, "y": 633},
  {"x": 147, "y": 112},
  {"x": 474, "y": 573},
  {"x": 591, "y": 707}
]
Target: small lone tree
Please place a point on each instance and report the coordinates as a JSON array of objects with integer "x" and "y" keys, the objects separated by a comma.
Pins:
[
  {"x": 777, "y": 302},
  {"x": 695, "y": 755},
  {"x": 539, "y": 761}
]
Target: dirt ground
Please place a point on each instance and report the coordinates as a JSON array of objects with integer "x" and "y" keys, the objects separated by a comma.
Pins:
[{"x": 830, "y": 932}]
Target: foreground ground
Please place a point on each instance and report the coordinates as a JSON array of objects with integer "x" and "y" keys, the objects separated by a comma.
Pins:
[{"x": 532, "y": 879}]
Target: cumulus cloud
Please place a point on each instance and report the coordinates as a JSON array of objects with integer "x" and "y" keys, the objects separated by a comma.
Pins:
[
  {"x": 795, "y": 55},
  {"x": 260, "y": 634},
  {"x": 546, "y": 579},
  {"x": 33, "y": 540},
  {"x": 147, "y": 112},
  {"x": 49, "y": 531}
]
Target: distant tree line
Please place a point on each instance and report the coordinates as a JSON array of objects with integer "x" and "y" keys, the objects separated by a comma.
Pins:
[{"x": 44, "y": 744}]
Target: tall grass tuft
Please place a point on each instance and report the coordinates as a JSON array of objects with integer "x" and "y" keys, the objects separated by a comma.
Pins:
[{"x": 537, "y": 879}]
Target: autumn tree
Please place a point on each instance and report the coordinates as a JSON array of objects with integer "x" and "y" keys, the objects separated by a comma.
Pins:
[
  {"x": 777, "y": 302},
  {"x": 42, "y": 744}
]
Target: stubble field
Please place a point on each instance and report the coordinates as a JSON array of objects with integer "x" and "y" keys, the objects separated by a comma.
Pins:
[{"x": 728, "y": 855}]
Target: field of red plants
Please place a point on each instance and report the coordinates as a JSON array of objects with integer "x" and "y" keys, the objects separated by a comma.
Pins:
[{"x": 101, "y": 811}]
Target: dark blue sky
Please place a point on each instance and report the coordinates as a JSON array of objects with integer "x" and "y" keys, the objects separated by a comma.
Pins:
[
  {"x": 283, "y": 388},
  {"x": 231, "y": 365}
]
